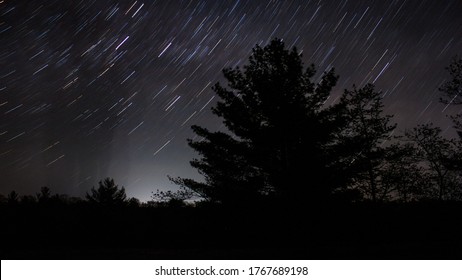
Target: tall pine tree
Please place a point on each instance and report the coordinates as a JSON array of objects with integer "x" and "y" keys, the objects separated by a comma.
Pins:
[{"x": 277, "y": 131}]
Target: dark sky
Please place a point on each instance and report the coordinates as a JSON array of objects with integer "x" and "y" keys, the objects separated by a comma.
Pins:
[{"x": 90, "y": 89}]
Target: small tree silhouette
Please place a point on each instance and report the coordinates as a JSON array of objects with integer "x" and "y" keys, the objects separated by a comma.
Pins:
[
  {"x": 107, "y": 194},
  {"x": 133, "y": 202},
  {"x": 13, "y": 198},
  {"x": 44, "y": 195}
]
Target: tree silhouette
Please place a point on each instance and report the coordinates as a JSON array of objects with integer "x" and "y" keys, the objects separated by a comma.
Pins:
[
  {"x": 107, "y": 194},
  {"x": 457, "y": 120},
  {"x": 438, "y": 155},
  {"x": 44, "y": 195},
  {"x": 133, "y": 202},
  {"x": 172, "y": 198},
  {"x": 13, "y": 198},
  {"x": 402, "y": 175},
  {"x": 453, "y": 88},
  {"x": 277, "y": 126},
  {"x": 360, "y": 143}
]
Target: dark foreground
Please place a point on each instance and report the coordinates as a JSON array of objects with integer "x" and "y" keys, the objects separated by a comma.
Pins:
[{"x": 362, "y": 231}]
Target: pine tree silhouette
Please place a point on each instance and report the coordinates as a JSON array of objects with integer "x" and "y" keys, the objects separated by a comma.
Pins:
[
  {"x": 277, "y": 129},
  {"x": 107, "y": 194}
]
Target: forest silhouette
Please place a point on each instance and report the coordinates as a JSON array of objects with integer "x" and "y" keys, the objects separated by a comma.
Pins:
[{"x": 289, "y": 177}]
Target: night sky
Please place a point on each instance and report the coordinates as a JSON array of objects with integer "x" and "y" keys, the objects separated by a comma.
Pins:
[{"x": 90, "y": 89}]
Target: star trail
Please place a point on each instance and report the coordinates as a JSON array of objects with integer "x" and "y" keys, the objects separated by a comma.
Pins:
[{"x": 91, "y": 89}]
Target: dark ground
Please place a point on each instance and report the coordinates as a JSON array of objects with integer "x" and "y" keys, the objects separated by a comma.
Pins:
[{"x": 424, "y": 230}]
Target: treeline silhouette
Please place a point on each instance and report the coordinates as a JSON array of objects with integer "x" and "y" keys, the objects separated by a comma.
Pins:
[
  {"x": 289, "y": 177},
  {"x": 52, "y": 226}
]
